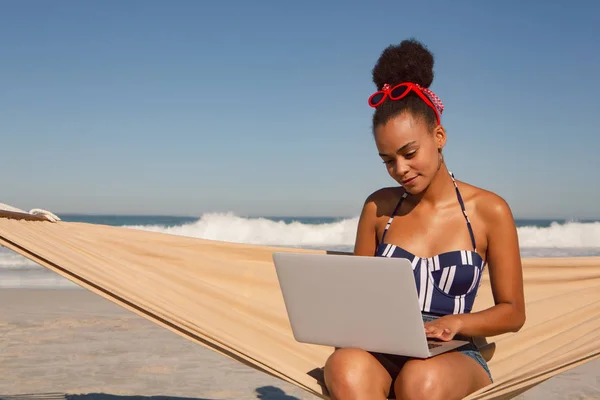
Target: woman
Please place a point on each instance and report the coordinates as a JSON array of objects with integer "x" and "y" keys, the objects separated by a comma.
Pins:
[{"x": 448, "y": 229}]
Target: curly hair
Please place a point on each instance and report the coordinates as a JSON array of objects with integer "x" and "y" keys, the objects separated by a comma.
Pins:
[{"x": 410, "y": 61}]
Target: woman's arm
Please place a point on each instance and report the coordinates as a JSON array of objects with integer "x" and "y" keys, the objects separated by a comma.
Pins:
[
  {"x": 505, "y": 270},
  {"x": 366, "y": 234}
]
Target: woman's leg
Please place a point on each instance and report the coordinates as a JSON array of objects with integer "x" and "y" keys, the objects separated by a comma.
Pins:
[
  {"x": 353, "y": 374},
  {"x": 448, "y": 376}
]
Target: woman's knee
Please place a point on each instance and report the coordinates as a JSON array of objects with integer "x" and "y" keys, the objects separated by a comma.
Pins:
[
  {"x": 350, "y": 372},
  {"x": 417, "y": 380}
]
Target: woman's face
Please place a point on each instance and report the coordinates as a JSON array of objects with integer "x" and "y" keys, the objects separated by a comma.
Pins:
[{"x": 410, "y": 150}]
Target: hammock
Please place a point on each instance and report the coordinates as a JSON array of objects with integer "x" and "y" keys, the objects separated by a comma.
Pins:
[{"x": 226, "y": 297}]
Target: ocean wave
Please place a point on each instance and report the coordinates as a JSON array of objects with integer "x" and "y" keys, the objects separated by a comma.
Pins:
[
  {"x": 561, "y": 235},
  {"x": 557, "y": 239},
  {"x": 229, "y": 227},
  {"x": 12, "y": 260}
]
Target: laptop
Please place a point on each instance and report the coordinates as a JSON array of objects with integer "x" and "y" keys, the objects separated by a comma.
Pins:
[{"x": 370, "y": 303}]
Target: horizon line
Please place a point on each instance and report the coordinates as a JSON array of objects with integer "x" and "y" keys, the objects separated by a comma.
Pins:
[{"x": 103, "y": 214}]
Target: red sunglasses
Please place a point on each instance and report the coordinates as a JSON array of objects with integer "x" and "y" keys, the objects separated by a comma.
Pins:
[{"x": 401, "y": 90}]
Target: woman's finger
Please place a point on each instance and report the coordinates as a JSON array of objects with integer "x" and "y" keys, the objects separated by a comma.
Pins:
[
  {"x": 430, "y": 328},
  {"x": 434, "y": 332}
]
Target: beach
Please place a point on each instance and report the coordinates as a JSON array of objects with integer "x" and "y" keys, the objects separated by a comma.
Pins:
[
  {"x": 58, "y": 342},
  {"x": 160, "y": 158},
  {"x": 75, "y": 342},
  {"x": 60, "y": 339}
]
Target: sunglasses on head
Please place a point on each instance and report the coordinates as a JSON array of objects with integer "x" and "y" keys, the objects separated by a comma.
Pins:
[{"x": 401, "y": 90}]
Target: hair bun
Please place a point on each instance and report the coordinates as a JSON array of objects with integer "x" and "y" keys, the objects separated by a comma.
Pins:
[{"x": 410, "y": 61}]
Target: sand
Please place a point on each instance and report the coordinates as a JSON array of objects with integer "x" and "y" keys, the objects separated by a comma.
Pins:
[{"x": 75, "y": 344}]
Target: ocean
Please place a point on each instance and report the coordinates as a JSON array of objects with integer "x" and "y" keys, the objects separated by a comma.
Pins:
[{"x": 537, "y": 238}]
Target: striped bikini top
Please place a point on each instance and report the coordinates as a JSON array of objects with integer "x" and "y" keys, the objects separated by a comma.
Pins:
[{"x": 446, "y": 283}]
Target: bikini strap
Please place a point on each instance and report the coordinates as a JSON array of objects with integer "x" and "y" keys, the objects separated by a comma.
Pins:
[
  {"x": 462, "y": 205},
  {"x": 387, "y": 226}
]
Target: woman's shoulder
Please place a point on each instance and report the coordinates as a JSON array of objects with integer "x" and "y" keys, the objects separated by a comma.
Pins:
[
  {"x": 488, "y": 205},
  {"x": 386, "y": 196},
  {"x": 384, "y": 200}
]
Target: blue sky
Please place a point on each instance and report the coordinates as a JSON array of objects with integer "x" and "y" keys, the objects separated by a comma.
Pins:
[{"x": 186, "y": 107}]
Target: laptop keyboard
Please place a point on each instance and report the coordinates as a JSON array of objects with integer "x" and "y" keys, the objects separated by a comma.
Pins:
[{"x": 433, "y": 345}]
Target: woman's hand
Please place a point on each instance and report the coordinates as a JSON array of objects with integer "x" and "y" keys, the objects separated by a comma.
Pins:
[{"x": 443, "y": 328}]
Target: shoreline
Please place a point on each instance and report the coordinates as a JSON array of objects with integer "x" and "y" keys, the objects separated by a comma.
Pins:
[{"x": 63, "y": 342}]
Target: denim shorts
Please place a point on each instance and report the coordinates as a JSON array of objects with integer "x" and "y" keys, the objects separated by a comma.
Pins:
[{"x": 393, "y": 363}]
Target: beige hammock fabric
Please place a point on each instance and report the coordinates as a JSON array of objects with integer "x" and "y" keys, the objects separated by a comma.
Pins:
[{"x": 226, "y": 296}]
